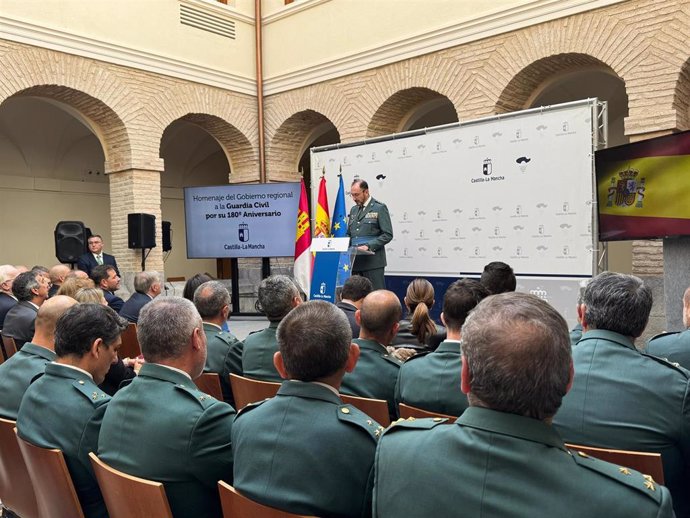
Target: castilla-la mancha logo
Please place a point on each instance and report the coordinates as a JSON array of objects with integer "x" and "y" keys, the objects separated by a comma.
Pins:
[{"x": 624, "y": 190}]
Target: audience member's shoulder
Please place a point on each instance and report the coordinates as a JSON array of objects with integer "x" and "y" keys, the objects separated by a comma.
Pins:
[
  {"x": 196, "y": 397},
  {"x": 664, "y": 363},
  {"x": 664, "y": 337},
  {"x": 623, "y": 477},
  {"x": 354, "y": 417},
  {"x": 91, "y": 392},
  {"x": 412, "y": 424}
]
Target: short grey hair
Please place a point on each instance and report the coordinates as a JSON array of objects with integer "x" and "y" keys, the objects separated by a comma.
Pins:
[
  {"x": 210, "y": 297},
  {"x": 165, "y": 326},
  {"x": 617, "y": 302},
  {"x": 275, "y": 296},
  {"x": 518, "y": 352},
  {"x": 144, "y": 280}
]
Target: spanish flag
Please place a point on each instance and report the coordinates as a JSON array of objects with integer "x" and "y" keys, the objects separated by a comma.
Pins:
[
  {"x": 323, "y": 220},
  {"x": 303, "y": 257}
]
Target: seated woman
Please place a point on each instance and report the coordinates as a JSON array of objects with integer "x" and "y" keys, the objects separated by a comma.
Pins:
[{"x": 418, "y": 328}]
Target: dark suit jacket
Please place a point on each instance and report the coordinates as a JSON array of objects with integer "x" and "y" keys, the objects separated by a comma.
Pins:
[
  {"x": 130, "y": 309},
  {"x": 87, "y": 262},
  {"x": 19, "y": 322},
  {"x": 6, "y": 303},
  {"x": 350, "y": 311},
  {"x": 113, "y": 300}
]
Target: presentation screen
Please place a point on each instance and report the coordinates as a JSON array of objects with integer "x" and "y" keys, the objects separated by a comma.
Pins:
[
  {"x": 643, "y": 189},
  {"x": 258, "y": 220}
]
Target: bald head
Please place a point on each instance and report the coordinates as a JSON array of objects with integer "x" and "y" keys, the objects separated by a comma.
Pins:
[
  {"x": 58, "y": 273},
  {"x": 77, "y": 274},
  {"x": 7, "y": 275},
  {"x": 47, "y": 316},
  {"x": 379, "y": 316}
]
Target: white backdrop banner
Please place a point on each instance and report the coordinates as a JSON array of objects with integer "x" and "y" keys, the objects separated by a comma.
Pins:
[{"x": 517, "y": 189}]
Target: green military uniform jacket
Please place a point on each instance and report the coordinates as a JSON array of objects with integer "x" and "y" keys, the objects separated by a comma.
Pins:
[
  {"x": 64, "y": 409},
  {"x": 257, "y": 354},
  {"x": 628, "y": 400},
  {"x": 161, "y": 427},
  {"x": 375, "y": 374},
  {"x": 17, "y": 373},
  {"x": 224, "y": 357},
  {"x": 432, "y": 381},
  {"x": 575, "y": 335},
  {"x": 306, "y": 452},
  {"x": 498, "y": 465},
  {"x": 675, "y": 347},
  {"x": 371, "y": 226}
]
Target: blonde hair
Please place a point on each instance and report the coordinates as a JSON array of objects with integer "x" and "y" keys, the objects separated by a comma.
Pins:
[
  {"x": 419, "y": 299},
  {"x": 72, "y": 285},
  {"x": 90, "y": 295}
]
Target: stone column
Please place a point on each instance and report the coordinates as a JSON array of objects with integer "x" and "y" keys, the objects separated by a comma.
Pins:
[{"x": 134, "y": 191}]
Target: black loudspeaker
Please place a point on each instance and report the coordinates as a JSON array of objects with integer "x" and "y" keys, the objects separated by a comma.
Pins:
[
  {"x": 70, "y": 241},
  {"x": 167, "y": 236},
  {"x": 141, "y": 230}
]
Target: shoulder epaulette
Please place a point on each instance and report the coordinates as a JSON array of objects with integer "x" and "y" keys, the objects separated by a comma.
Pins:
[
  {"x": 91, "y": 392},
  {"x": 629, "y": 477},
  {"x": 667, "y": 363},
  {"x": 667, "y": 333},
  {"x": 250, "y": 406},
  {"x": 392, "y": 359},
  {"x": 354, "y": 416},
  {"x": 203, "y": 399},
  {"x": 412, "y": 423}
]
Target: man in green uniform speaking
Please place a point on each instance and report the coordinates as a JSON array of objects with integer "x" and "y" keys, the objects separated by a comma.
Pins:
[
  {"x": 304, "y": 451},
  {"x": 502, "y": 458},
  {"x": 369, "y": 228}
]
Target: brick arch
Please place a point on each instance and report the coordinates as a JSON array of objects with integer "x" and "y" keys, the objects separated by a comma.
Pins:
[
  {"x": 82, "y": 85},
  {"x": 212, "y": 110},
  {"x": 290, "y": 141},
  {"x": 389, "y": 116},
  {"x": 235, "y": 145},
  {"x": 525, "y": 84}
]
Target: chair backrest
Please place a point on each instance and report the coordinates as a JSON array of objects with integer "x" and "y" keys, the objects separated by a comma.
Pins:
[
  {"x": 9, "y": 346},
  {"x": 236, "y": 505},
  {"x": 16, "y": 489},
  {"x": 412, "y": 411},
  {"x": 247, "y": 390},
  {"x": 644, "y": 462},
  {"x": 55, "y": 493},
  {"x": 130, "y": 344},
  {"x": 377, "y": 409},
  {"x": 209, "y": 382},
  {"x": 176, "y": 279},
  {"x": 127, "y": 496}
]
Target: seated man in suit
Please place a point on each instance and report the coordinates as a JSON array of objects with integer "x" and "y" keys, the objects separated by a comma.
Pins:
[
  {"x": 57, "y": 274},
  {"x": 278, "y": 295},
  {"x": 95, "y": 256},
  {"x": 354, "y": 290},
  {"x": 106, "y": 278},
  {"x": 622, "y": 398},
  {"x": 7, "y": 299},
  {"x": 224, "y": 357},
  {"x": 21, "y": 369},
  {"x": 147, "y": 286},
  {"x": 64, "y": 408},
  {"x": 31, "y": 289},
  {"x": 304, "y": 451},
  {"x": 674, "y": 346},
  {"x": 161, "y": 427},
  {"x": 502, "y": 458},
  {"x": 377, "y": 371},
  {"x": 430, "y": 381}
]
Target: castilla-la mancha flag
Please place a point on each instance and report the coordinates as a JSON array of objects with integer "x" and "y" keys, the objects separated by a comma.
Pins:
[
  {"x": 303, "y": 256},
  {"x": 323, "y": 220}
]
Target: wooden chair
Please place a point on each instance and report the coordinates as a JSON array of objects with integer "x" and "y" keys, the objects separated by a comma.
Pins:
[
  {"x": 247, "y": 390},
  {"x": 644, "y": 462},
  {"x": 209, "y": 382},
  {"x": 413, "y": 411},
  {"x": 377, "y": 409},
  {"x": 16, "y": 489},
  {"x": 57, "y": 497},
  {"x": 127, "y": 496},
  {"x": 130, "y": 344},
  {"x": 9, "y": 347},
  {"x": 236, "y": 505}
]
